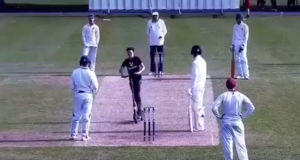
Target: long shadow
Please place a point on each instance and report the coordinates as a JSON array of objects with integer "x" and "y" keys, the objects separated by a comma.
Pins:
[
  {"x": 42, "y": 123},
  {"x": 40, "y": 140},
  {"x": 276, "y": 64},
  {"x": 130, "y": 131}
]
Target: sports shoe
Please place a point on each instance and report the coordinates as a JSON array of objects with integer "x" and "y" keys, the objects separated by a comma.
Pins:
[
  {"x": 85, "y": 138},
  {"x": 199, "y": 130},
  {"x": 73, "y": 137},
  {"x": 246, "y": 78},
  {"x": 151, "y": 73},
  {"x": 239, "y": 77}
]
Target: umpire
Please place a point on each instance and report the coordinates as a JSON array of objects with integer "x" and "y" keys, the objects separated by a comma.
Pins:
[{"x": 134, "y": 67}]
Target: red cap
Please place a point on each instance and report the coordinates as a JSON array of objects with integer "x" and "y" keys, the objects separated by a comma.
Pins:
[{"x": 230, "y": 83}]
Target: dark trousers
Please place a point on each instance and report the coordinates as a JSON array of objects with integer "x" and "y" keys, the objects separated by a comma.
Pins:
[
  {"x": 154, "y": 49},
  {"x": 135, "y": 86},
  {"x": 261, "y": 3},
  {"x": 291, "y": 3},
  {"x": 274, "y": 4}
]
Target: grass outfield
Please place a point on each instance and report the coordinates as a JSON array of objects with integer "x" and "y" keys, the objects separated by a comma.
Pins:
[
  {"x": 76, "y": 2},
  {"x": 53, "y": 44}
]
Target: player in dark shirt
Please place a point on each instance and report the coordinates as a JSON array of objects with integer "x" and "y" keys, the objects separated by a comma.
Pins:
[{"x": 135, "y": 67}]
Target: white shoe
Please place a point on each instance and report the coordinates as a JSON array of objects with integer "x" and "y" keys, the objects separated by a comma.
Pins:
[
  {"x": 199, "y": 129},
  {"x": 246, "y": 78},
  {"x": 151, "y": 73},
  {"x": 239, "y": 77},
  {"x": 85, "y": 138},
  {"x": 73, "y": 137}
]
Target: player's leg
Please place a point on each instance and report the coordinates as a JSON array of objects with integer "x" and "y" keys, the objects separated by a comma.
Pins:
[
  {"x": 238, "y": 65},
  {"x": 244, "y": 64},
  {"x": 198, "y": 109},
  {"x": 85, "y": 51},
  {"x": 152, "y": 64},
  {"x": 137, "y": 96},
  {"x": 76, "y": 116},
  {"x": 227, "y": 138},
  {"x": 93, "y": 57},
  {"x": 161, "y": 64},
  {"x": 239, "y": 138},
  {"x": 86, "y": 115}
]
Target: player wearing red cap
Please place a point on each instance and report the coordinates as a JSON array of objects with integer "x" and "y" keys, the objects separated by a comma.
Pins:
[{"x": 232, "y": 128}]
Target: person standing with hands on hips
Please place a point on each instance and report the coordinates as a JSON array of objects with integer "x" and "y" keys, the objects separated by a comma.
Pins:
[
  {"x": 156, "y": 30},
  {"x": 91, "y": 38},
  {"x": 239, "y": 47},
  {"x": 135, "y": 67},
  {"x": 197, "y": 88},
  {"x": 84, "y": 85},
  {"x": 231, "y": 103}
]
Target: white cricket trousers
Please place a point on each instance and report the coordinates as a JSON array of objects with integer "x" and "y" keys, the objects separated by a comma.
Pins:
[
  {"x": 198, "y": 108},
  {"x": 91, "y": 52},
  {"x": 241, "y": 60},
  {"x": 234, "y": 131},
  {"x": 82, "y": 111}
]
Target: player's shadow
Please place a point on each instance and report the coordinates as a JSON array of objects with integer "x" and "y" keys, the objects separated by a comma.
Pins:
[
  {"x": 129, "y": 131},
  {"x": 33, "y": 140},
  {"x": 125, "y": 122},
  {"x": 276, "y": 64}
]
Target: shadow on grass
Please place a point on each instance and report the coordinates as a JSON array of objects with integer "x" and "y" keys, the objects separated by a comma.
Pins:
[
  {"x": 277, "y": 64},
  {"x": 32, "y": 140},
  {"x": 131, "y": 131},
  {"x": 43, "y": 123}
]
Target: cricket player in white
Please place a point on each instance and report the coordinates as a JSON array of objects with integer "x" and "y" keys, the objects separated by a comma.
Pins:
[
  {"x": 233, "y": 129},
  {"x": 197, "y": 88},
  {"x": 91, "y": 38},
  {"x": 239, "y": 47},
  {"x": 156, "y": 31},
  {"x": 84, "y": 84}
]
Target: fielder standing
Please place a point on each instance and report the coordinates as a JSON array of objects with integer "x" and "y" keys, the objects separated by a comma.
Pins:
[
  {"x": 197, "y": 88},
  {"x": 91, "y": 38},
  {"x": 239, "y": 47},
  {"x": 233, "y": 129},
  {"x": 156, "y": 30},
  {"x": 84, "y": 84},
  {"x": 135, "y": 67}
]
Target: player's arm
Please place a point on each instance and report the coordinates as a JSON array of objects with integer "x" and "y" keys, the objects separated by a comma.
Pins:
[
  {"x": 121, "y": 70},
  {"x": 194, "y": 76},
  {"x": 94, "y": 82},
  {"x": 72, "y": 83},
  {"x": 97, "y": 35},
  {"x": 249, "y": 106},
  {"x": 246, "y": 35},
  {"x": 216, "y": 105},
  {"x": 141, "y": 65},
  {"x": 165, "y": 31},
  {"x": 148, "y": 28},
  {"x": 83, "y": 35}
]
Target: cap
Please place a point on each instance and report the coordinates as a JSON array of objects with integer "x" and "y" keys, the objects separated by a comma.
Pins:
[
  {"x": 230, "y": 83},
  {"x": 91, "y": 16},
  {"x": 239, "y": 16},
  {"x": 196, "y": 50},
  {"x": 155, "y": 14}
]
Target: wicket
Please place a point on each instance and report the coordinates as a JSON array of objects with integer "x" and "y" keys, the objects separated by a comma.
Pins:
[
  {"x": 150, "y": 121},
  {"x": 158, "y": 60}
]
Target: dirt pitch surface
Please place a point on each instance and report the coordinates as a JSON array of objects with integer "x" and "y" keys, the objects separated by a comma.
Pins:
[{"x": 112, "y": 117}]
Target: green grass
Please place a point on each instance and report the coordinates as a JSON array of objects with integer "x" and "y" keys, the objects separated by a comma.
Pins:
[{"x": 53, "y": 44}]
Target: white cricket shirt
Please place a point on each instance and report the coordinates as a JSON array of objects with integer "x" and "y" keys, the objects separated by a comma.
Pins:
[
  {"x": 155, "y": 30},
  {"x": 90, "y": 35},
  {"x": 83, "y": 79},
  {"x": 198, "y": 73},
  {"x": 240, "y": 34},
  {"x": 231, "y": 103}
]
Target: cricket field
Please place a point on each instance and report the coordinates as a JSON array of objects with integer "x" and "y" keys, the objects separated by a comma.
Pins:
[{"x": 38, "y": 54}]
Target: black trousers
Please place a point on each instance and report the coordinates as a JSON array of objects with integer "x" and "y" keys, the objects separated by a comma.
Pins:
[
  {"x": 274, "y": 4},
  {"x": 291, "y": 3},
  {"x": 154, "y": 49},
  {"x": 135, "y": 86}
]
